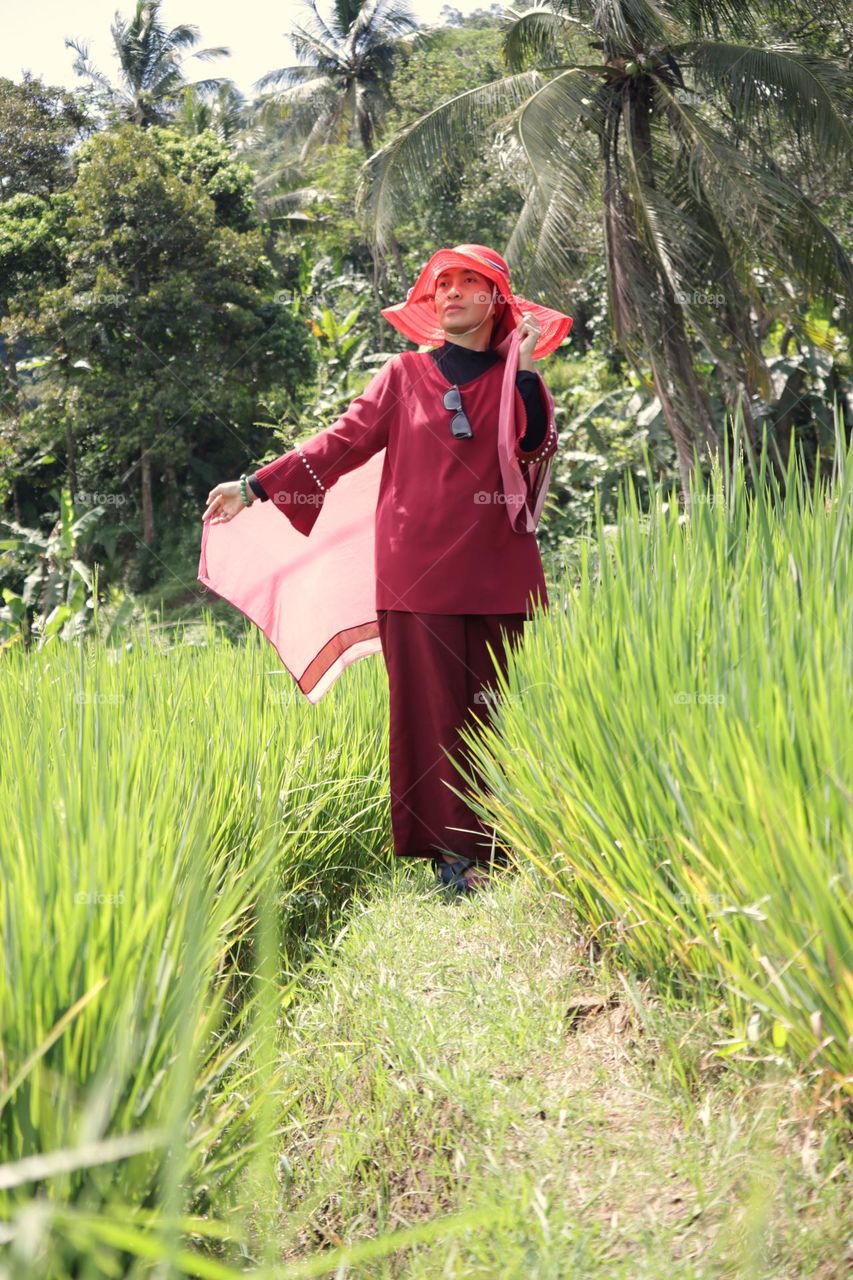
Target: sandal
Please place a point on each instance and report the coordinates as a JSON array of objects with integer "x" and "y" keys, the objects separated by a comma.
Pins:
[{"x": 452, "y": 874}]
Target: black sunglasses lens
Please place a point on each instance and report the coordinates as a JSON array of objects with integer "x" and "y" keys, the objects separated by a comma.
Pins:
[{"x": 460, "y": 427}]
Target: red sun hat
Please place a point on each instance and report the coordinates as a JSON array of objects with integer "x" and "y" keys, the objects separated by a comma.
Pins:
[{"x": 417, "y": 320}]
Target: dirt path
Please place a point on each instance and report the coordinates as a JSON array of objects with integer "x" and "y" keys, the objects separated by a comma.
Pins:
[{"x": 462, "y": 1054}]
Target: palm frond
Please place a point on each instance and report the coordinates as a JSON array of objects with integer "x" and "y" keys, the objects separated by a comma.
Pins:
[
  {"x": 318, "y": 24},
  {"x": 346, "y": 12},
  {"x": 167, "y": 84},
  {"x": 542, "y": 249},
  {"x": 293, "y": 199},
  {"x": 416, "y": 160},
  {"x": 82, "y": 65},
  {"x": 379, "y": 21},
  {"x": 180, "y": 37},
  {"x": 685, "y": 254},
  {"x": 806, "y": 92},
  {"x": 718, "y": 17},
  {"x": 205, "y": 55},
  {"x": 732, "y": 288},
  {"x": 632, "y": 288},
  {"x": 625, "y": 24},
  {"x": 309, "y": 49},
  {"x": 212, "y": 85},
  {"x": 538, "y": 35},
  {"x": 549, "y": 131},
  {"x": 322, "y": 126},
  {"x": 288, "y": 76},
  {"x": 763, "y": 204},
  {"x": 303, "y": 92}
]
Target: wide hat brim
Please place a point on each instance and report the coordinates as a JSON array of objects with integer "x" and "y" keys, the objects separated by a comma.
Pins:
[{"x": 417, "y": 320}]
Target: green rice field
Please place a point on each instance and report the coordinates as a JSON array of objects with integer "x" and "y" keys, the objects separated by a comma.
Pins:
[{"x": 184, "y": 837}]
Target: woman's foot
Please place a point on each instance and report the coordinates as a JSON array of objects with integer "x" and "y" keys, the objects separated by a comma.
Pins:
[
  {"x": 475, "y": 875},
  {"x": 479, "y": 874}
]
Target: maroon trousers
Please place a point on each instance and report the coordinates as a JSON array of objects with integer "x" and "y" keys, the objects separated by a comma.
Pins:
[{"x": 438, "y": 664}]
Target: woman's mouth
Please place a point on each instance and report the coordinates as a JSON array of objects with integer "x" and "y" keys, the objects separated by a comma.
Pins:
[{"x": 454, "y": 306}]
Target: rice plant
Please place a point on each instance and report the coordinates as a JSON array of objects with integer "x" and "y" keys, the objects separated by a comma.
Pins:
[
  {"x": 155, "y": 795},
  {"x": 673, "y": 750}
]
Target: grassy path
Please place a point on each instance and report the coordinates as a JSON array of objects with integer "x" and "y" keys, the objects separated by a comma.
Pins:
[{"x": 460, "y": 1054}]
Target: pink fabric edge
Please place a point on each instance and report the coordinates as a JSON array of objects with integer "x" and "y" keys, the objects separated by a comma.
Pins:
[
  {"x": 526, "y": 494},
  {"x": 321, "y": 673}
]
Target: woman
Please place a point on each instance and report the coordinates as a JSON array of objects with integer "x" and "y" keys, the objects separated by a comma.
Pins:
[{"x": 467, "y": 443}]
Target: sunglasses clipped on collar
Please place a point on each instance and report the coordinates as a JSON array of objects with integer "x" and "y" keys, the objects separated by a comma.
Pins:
[{"x": 460, "y": 425}]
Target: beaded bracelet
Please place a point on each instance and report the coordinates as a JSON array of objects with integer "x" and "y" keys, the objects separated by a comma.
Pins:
[{"x": 247, "y": 501}]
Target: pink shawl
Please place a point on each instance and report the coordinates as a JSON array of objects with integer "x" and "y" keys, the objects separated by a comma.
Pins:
[{"x": 314, "y": 598}]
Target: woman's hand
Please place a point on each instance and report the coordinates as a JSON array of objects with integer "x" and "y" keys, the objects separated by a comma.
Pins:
[
  {"x": 530, "y": 333},
  {"x": 224, "y": 502}
]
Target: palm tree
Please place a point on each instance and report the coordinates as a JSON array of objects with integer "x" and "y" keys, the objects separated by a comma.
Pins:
[
  {"x": 224, "y": 113},
  {"x": 343, "y": 86},
  {"x": 151, "y": 58},
  {"x": 342, "y": 89},
  {"x": 666, "y": 130}
]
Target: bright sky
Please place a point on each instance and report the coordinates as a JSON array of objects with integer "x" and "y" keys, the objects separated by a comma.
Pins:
[{"x": 32, "y": 34}]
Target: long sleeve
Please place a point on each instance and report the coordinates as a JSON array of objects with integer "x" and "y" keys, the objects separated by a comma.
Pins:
[
  {"x": 539, "y": 441},
  {"x": 297, "y": 482},
  {"x": 527, "y": 382}
]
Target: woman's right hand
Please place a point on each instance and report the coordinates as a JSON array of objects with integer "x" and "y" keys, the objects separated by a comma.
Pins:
[{"x": 225, "y": 501}]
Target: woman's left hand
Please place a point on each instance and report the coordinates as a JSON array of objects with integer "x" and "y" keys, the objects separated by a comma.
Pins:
[{"x": 530, "y": 333}]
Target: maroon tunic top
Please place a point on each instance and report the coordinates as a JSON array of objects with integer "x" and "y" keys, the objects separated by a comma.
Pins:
[{"x": 444, "y": 543}]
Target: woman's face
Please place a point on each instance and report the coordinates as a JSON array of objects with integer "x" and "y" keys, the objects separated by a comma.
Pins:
[{"x": 462, "y": 299}]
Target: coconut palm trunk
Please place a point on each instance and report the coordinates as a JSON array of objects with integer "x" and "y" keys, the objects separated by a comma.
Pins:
[{"x": 654, "y": 310}]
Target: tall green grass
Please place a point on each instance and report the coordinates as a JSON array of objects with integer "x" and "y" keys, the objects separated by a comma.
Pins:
[
  {"x": 673, "y": 749},
  {"x": 155, "y": 797}
]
